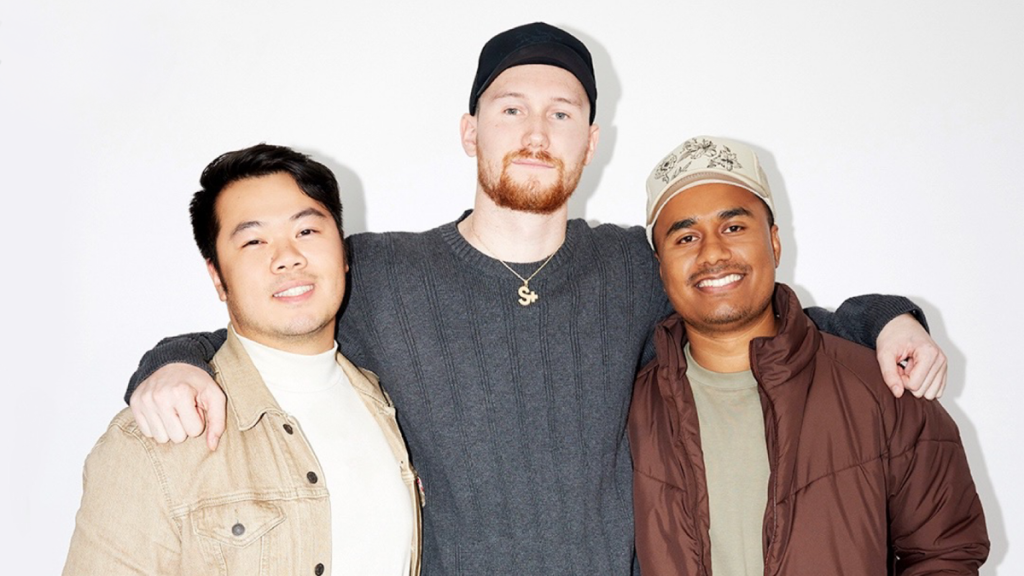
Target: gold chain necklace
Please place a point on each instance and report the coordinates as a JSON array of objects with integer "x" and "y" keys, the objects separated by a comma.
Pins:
[{"x": 526, "y": 296}]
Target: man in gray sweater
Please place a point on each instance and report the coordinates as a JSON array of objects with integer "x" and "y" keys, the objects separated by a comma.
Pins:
[{"x": 510, "y": 337}]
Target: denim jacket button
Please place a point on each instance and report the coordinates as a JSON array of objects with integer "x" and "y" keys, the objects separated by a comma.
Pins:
[
  {"x": 288, "y": 428},
  {"x": 238, "y": 529},
  {"x": 319, "y": 570},
  {"x": 311, "y": 476}
]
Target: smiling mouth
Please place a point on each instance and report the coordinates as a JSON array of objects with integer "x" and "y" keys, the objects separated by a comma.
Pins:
[
  {"x": 719, "y": 282},
  {"x": 296, "y": 291}
]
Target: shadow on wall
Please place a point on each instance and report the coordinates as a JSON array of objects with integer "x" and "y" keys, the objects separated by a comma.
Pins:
[
  {"x": 786, "y": 271},
  {"x": 609, "y": 92},
  {"x": 353, "y": 197}
]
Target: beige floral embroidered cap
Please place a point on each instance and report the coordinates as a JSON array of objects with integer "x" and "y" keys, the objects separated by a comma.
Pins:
[{"x": 704, "y": 160}]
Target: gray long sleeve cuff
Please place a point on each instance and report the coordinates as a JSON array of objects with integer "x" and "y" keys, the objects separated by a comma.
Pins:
[
  {"x": 196, "y": 349},
  {"x": 860, "y": 319}
]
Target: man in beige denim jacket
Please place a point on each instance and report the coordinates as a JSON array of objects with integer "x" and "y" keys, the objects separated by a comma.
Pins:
[{"x": 260, "y": 503}]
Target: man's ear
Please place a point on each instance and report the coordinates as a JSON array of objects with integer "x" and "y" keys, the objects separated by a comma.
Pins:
[
  {"x": 658, "y": 258},
  {"x": 776, "y": 244},
  {"x": 222, "y": 290},
  {"x": 467, "y": 128},
  {"x": 592, "y": 139}
]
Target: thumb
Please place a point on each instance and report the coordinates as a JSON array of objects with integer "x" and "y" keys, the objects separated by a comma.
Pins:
[{"x": 891, "y": 375}]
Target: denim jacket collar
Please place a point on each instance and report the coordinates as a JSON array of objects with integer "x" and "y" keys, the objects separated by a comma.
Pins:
[{"x": 250, "y": 398}]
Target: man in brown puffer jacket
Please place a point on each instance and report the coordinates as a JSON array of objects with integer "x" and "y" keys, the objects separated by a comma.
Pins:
[{"x": 761, "y": 445}]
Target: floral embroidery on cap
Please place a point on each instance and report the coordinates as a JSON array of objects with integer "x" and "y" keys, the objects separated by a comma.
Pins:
[
  {"x": 696, "y": 148},
  {"x": 666, "y": 177},
  {"x": 665, "y": 166},
  {"x": 725, "y": 159}
]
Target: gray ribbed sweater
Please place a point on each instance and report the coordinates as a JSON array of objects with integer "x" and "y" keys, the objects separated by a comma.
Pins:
[{"x": 515, "y": 416}]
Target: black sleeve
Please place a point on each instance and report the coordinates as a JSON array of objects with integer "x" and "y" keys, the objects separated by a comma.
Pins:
[
  {"x": 861, "y": 318},
  {"x": 194, "y": 349}
]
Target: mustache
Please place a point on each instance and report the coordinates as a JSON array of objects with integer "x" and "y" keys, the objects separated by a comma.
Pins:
[
  {"x": 525, "y": 154},
  {"x": 717, "y": 270}
]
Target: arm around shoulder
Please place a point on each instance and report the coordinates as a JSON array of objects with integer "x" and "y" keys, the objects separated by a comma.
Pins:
[
  {"x": 860, "y": 319},
  {"x": 195, "y": 349},
  {"x": 898, "y": 331}
]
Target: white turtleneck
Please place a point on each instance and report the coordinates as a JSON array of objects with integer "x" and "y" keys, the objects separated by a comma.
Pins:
[{"x": 371, "y": 512}]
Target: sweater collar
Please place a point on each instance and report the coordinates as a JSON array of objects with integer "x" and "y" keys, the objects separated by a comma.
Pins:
[
  {"x": 493, "y": 267},
  {"x": 290, "y": 372}
]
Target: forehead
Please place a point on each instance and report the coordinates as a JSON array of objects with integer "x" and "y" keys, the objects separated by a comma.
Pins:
[
  {"x": 263, "y": 198},
  {"x": 536, "y": 80}
]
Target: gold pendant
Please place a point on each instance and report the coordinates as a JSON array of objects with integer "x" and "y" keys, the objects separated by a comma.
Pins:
[{"x": 527, "y": 296}]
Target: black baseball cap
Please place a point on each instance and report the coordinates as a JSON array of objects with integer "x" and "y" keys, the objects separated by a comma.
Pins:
[{"x": 536, "y": 43}]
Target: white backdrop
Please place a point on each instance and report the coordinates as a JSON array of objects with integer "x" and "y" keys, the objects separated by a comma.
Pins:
[{"x": 892, "y": 132}]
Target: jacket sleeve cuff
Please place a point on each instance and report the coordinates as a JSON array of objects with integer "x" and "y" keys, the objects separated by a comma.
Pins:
[
  {"x": 860, "y": 319},
  {"x": 195, "y": 349}
]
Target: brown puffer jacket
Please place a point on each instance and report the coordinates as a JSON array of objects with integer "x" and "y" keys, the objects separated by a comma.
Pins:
[{"x": 861, "y": 482}]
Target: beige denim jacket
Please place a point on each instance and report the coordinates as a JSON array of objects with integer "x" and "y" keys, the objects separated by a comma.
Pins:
[{"x": 257, "y": 505}]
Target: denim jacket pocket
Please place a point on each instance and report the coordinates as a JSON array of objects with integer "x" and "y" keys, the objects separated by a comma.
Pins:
[{"x": 237, "y": 534}]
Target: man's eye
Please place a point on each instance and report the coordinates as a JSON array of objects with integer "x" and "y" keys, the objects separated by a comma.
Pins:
[
  {"x": 307, "y": 232},
  {"x": 561, "y": 116},
  {"x": 251, "y": 243},
  {"x": 734, "y": 228},
  {"x": 511, "y": 111},
  {"x": 685, "y": 239}
]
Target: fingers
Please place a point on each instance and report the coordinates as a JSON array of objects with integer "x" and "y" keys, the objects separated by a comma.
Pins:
[
  {"x": 928, "y": 371},
  {"x": 935, "y": 381},
  {"x": 170, "y": 402},
  {"x": 140, "y": 419},
  {"x": 146, "y": 414},
  {"x": 942, "y": 378},
  {"x": 892, "y": 374},
  {"x": 179, "y": 402},
  {"x": 922, "y": 368},
  {"x": 165, "y": 404},
  {"x": 214, "y": 403},
  {"x": 191, "y": 420}
]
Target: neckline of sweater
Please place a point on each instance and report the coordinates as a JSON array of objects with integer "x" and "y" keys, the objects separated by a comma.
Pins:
[{"x": 493, "y": 267}]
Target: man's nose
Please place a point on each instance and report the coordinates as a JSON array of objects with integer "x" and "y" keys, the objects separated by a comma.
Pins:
[
  {"x": 714, "y": 249},
  {"x": 536, "y": 137},
  {"x": 287, "y": 258}
]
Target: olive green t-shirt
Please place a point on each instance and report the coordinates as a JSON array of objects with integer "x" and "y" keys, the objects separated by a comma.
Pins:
[{"x": 736, "y": 460}]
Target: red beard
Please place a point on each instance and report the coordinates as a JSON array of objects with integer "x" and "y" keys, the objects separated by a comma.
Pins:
[{"x": 529, "y": 196}]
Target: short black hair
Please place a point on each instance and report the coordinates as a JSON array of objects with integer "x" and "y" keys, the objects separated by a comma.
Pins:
[{"x": 313, "y": 178}]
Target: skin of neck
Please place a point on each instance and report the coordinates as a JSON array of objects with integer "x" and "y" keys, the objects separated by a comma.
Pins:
[
  {"x": 728, "y": 350},
  {"x": 310, "y": 344},
  {"x": 511, "y": 235}
]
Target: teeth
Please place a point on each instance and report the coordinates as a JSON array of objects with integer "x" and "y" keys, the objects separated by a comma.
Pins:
[
  {"x": 719, "y": 282},
  {"x": 294, "y": 291}
]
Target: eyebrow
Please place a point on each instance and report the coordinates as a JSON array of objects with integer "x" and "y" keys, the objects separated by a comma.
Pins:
[
  {"x": 297, "y": 216},
  {"x": 508, "y": 95},
  {"x": 734, "y": 212},
  {"x": 680, "y": 224},
  {"x": 572, "y": 101},
  {"x": 723, "y": 215}
]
